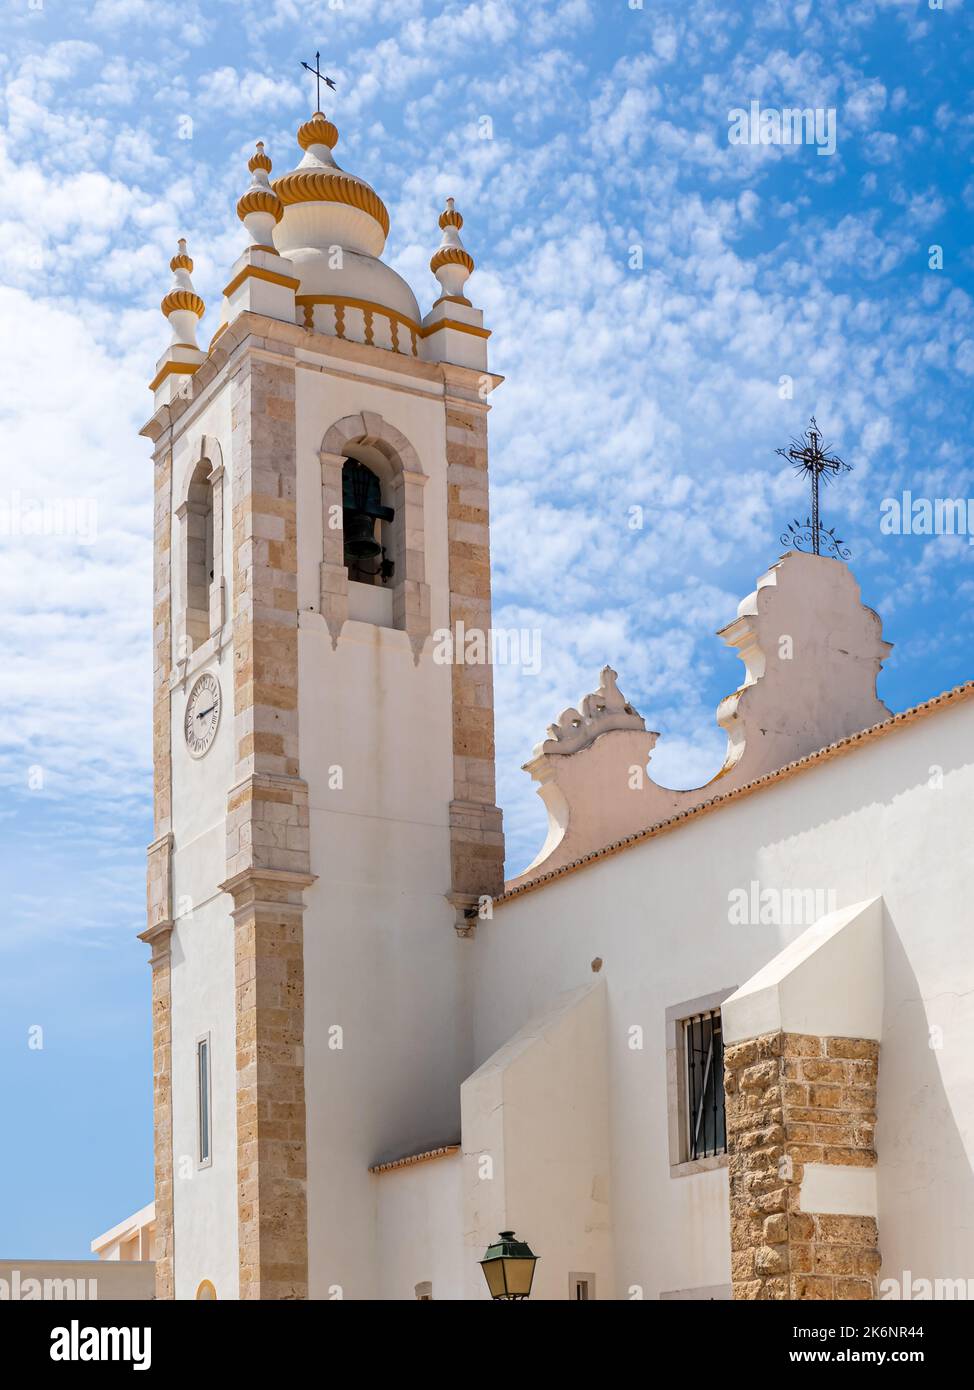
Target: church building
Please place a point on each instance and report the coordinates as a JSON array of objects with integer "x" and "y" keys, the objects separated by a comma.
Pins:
[{"x": 712, "y": 1043}]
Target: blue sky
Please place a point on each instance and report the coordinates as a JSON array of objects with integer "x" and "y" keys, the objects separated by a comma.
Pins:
[{"x": 646, "y": 378}]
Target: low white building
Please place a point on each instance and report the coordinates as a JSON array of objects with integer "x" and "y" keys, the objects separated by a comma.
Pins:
[{"x": 654, "y": 1055}]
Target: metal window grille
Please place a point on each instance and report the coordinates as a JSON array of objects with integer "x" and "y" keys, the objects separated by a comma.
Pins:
[{"x": 703, "y": 1053}]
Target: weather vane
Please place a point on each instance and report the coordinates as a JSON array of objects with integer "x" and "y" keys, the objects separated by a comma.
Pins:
[
  {"x": 813, "y": 460},
  {"x": 319, "y": 77}
]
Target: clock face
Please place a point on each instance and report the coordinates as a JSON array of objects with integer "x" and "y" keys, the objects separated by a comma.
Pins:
[{"x": 202, "y": 715}]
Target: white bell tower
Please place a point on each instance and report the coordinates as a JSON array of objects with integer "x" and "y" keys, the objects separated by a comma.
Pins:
[{"x": 324, "y": 787}]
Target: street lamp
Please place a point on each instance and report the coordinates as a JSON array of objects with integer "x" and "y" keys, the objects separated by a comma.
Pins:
[{"x": 509, "y": 1267}]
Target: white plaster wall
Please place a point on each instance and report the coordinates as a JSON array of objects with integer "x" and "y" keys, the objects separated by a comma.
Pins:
[
  {"x": 204, "y": 1200},
  {"x": 382, "y": 961},
  {"x": 419, "y": 1219},
  {"x": 536, "y": 1148},
  {"x": 872, "y": 823}
]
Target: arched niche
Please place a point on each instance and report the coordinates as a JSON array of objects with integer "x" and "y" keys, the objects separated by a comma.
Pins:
[{"x": 385, "y": 450}]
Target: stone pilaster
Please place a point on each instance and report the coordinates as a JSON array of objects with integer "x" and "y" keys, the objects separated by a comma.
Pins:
[
  {"x": 162, "y": 644},
  {"x": 476, "y": 830},
  {"x": 218, "y": 595},
  {"x": 271, "y": 1140},
  {"x": 158, "y": 938},
  {"x": 794, "y": 1100},
  {"x": 268, "y": 853},
  {"x": 334, "y": 576},
  {"x": 159, "y": 875}
]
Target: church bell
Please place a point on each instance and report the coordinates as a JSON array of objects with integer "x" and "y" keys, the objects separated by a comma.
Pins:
[{"x": 361, "y": 509}]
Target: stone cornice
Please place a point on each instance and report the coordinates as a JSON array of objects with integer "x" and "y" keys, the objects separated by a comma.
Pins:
[
  {"x": 256, "y": 332},
  {"x": 281, "y": 878}
]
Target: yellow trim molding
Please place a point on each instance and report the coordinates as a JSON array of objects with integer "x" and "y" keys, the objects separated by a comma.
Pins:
[
  {"x": 339, "y": 303},
  {"x": 456, "y": 326},
  {"x": 172, "y": 368},
  {"x": 256, "y": 272}
]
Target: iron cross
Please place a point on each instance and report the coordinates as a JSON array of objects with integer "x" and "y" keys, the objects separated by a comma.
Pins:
[
  {"x": 319, "y": 77},
  {"x": 812, "y": 459}
]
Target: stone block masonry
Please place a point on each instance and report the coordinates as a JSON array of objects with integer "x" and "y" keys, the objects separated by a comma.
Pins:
[
  {"x": 476, "y": 831},
  {"x": 268, "y": 856},
  {"x": 792, "y": 1100}
]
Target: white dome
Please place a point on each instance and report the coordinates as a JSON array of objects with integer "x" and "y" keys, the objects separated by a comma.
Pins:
[
  {"x": 334, "y": 227},
  {"x": 352, "y": 275}
]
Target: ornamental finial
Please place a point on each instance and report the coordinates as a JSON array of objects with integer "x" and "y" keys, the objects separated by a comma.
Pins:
[
  {"x": 318, "y": 131},
  {"x": 451, "y": 263},
  {"x": 260, "y": 209},
  {"x": 182, "y": 306},
  {"x": 812, "y": 460}
]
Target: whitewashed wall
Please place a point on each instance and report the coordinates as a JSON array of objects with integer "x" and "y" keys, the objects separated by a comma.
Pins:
[
  {"x": 382, "y": 961},
  {"x": 419, "y": 1222},
  {"x": 204, "y": 1199},
  {"x": 877, "y": 822}
]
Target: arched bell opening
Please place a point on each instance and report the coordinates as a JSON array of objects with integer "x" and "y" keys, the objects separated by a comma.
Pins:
[
  {"x": 367, "y": 521},
  {"x": 387, "y": 588}
]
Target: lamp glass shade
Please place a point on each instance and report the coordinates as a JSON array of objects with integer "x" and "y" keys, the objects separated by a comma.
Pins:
[{"x": 509, "y": 1267}]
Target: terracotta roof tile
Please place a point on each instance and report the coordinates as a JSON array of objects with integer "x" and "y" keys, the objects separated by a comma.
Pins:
[{"x": 959, "y": 694}]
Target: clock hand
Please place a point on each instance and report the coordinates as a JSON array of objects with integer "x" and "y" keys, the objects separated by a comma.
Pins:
[{"x": 204, "y": 712}]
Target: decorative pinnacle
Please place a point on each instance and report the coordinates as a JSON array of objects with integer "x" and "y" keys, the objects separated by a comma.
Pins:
[
  {"x": 451, "y": 262},
  {"x": 260, "y": 209},
  {"x": 259, "y": 160},
  {"x": 182, "y": 306},
  {"x": 181, "y": 261},
  {"x": 449, "y": 217}
]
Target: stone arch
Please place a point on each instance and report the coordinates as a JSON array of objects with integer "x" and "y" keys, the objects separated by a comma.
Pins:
[{"x": 405, "y": 479}]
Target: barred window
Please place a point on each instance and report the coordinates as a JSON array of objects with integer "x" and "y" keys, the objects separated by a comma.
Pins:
[
  {"x": 703, "y": 1069},
  {"x": 203, "y": 1094}
]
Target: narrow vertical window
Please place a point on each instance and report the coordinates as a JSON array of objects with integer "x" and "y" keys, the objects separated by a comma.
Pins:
[
  {"x": 199, "y": 560},
  {"x": 203, "y": 1097},
  {"x": 703, "y": 1055}
]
